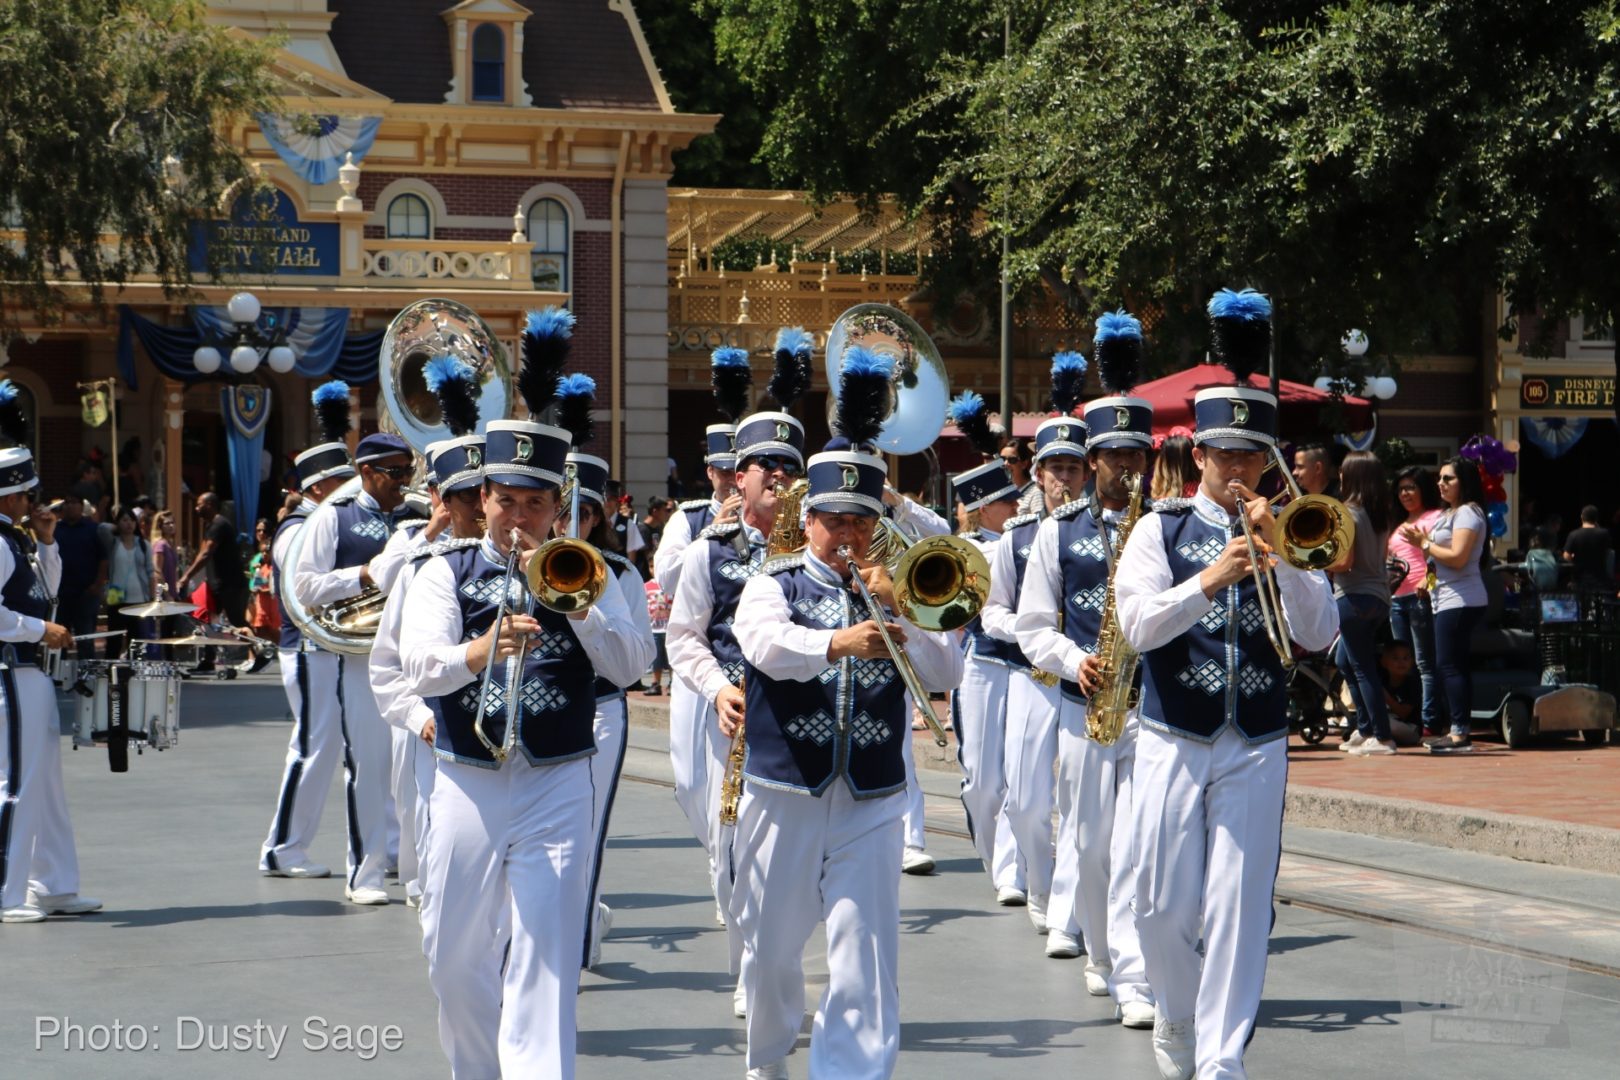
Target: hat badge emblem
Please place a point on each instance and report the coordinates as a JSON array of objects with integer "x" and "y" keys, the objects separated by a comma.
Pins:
[
  {"x": 783, "y": 433},
  {"x": 475, "y": 458},
  {"x": 1122, "y": 417},
  {"x": 1063, "y": 432},
  {"x": 523, "y": 448},
  {"x": 1240, "y": 413},
  {"x": 851, "y": 477}
]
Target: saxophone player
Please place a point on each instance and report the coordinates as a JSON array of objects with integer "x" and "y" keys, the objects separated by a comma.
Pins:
[
  {"x": 702, "y": 642},
  {"x": 1060, "y": 626},
  {"x": 1211, "y": 755}
]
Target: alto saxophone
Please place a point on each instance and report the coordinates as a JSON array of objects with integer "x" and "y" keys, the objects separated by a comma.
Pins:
[
  {"x": 1108, "y": 706},
  {"x": 786, "y": 536}
]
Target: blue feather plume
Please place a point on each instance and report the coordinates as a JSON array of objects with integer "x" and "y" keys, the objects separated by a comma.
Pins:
[
  {"x": 1240, "y": 330},
  {"x": 332, "y": 410},
  {"x": 547, "y": 337},
  {"x": 791, "y": 378},
  {"x": 453, "y": 381},
  {"x": 1246, "y": 304},
  {"x": 13, "y": 424},
  {"x": 576, "y": 396},
  {"x": 1117, "y": 348},
  {"x": 441, "y": 369},
  {"x": 1068, "y": 381},
  {"x": 860, "y": 361},
  {"x": 863, "y": 395},
  {"x": 732, "y": 376},
  {"x": 971, "y": 415},
  {"x": 550, "y": 322},
  {"x": 795, "y": 339}
]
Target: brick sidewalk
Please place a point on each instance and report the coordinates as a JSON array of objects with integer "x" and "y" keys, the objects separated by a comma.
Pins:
[{"x": 1560, "y": 780}]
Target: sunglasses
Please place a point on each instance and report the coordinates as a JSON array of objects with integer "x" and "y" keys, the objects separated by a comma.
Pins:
[
  {"x": 1013, "y": 460},
  {"x": 771, "y": 463},
  {"x": 393, "y": 472},
  {"x": 1448, "y": 479}
]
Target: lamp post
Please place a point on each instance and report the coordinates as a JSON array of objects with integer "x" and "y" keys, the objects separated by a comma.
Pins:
[
  {"x": 1380, "y": 387},
  {"x": 248, "y": 345}
]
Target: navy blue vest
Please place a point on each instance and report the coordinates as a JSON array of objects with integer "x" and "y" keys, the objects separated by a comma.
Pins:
[
  {"x": 362, "y": 532},
  {"x": 729, "y": 571},
  {"x": 23, "y": 592},
  {"x": 1224, "y": 668},
  {"x": 618, "y": 566},
  {"x": 291, "y": 636},
  {"x": 558, "y": 688},
  {"x": 699, "y": 513},
  {"x": 1084, "y": 563},
  {"x": 981, "y": 645},
  {"x": 850, "y": 721}
]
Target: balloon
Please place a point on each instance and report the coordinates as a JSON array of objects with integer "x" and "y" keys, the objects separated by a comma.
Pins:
[
  {"x": 1498, "y": 517},
  {"x": 1494, "y": 491}
]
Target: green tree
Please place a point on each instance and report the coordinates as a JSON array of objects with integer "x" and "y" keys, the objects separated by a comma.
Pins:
[{"x": 112, "y": 114}]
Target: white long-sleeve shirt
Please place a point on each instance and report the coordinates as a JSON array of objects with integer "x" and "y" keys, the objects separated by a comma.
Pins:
[
  {"x": 687, "y": 637},
  {"x": 1154, "y": 609},
  {"x": 788, "y": 652},
  {"x": 386, "y": 669},
  {"x": 405, "y": 543},
  {"x": 435, "y": 656},
  {"x": 15, "y": 626},
  {"x": 1000, "y": 612},
  {"x": 672, "y": 548},
  {"x": 1041, "y": 601},
  {"x": 918, "y": 519},
  {"x": 633, "y": 588}
]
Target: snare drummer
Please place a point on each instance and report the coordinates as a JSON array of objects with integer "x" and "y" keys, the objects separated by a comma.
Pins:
[{"x": 39, "y": 867}]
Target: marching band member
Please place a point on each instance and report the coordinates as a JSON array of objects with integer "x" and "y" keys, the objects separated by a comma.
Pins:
[
  {"x": 454, "y": 475},
  {"x": 506, "y": 857},
  {"x": 39, "y": 864},
  {"x": 979, "y": 706},
  {"x": 1060, "y": 618},
  {"x": 333, "y": 564},
  {"x": 692, "y": 746},
  {"x": 309, "y": 674},
  {"x": 1032, "y": 695},
  {"x": 818, "y": 833},
  {"x": 1211, "y": 753},
  {"x": 589, "y": 474},
  {"x": 701, "y": 639}
]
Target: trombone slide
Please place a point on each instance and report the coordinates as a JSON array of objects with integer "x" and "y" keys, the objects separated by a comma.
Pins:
[{"x": 897, "y": 652}]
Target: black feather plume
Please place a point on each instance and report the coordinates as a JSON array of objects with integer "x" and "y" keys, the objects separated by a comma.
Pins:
[
  {"x": 1117, "y": 350},
  {"x": 791, "y": 379},
  {"x": 454, "y": 383},
  {"x": 1240, "y": 331},
  {"x": 13, "y": 424},
  {"x": 971, "y": 415},
  {"x": 332, "y": 410},
  {"x": 576, "y": 396},
  {"x": 732, "y": 377},
  {"x": 863, "y": 396},
  {"x": 546, "y": 340}
]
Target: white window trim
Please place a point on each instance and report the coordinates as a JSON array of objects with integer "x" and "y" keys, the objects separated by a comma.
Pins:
[
  {"x": 570, "y": 207},
  {"x": 506, "y": 63},
  {"x": 437, "y": 217},
  {"x": 1577, "y": 348},
  {"x": 388, "y": 211}
]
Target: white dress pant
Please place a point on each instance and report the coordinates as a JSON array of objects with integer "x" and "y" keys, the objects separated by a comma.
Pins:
[
  {"x": 606, "y": 764},
  {"x": 979, "y": 710},
  {"x": 1031, "y": 753},
  {"x": 507, "y": 857},
  {"x": 914, "y": 819},
  {"x": 689, "y": 758},
  {"x": 1063, "y": 905},
  {"x": 36, "y": 838},
  {"x": 1208, "y": 837},
  {"x": 1103, "y": 821},
  {"x": 800, "y": 861},
  {"x": 402, "y": 805},
  {"x": 334, "y": 715}
]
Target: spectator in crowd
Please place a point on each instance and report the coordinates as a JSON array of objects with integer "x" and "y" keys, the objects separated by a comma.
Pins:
[
  {"x": 658, "y": 605},
  {"x": 84, "y": 571},
  {"x": 1175, "y": 475},
  {"x": 1019, "y": 461},
  {"x": 1361, "y": 589},
  {"x": 621, "y": 521},
  {"x": 1591, "y": 551},
  {"x": 166, "y": 569},
  {"x": 131, "y": 476},
  {"x": 1550, "y": 530},
  {"x": 1455, "y": 545},
  {"x": 1403, "y": 693},
  {"x": 652, "y": 529},
  {"x": 264, "y": 611},
  {"x": 220, "y": 560},
  {"x": 1411, "y": 618},
  {"x": 90, "y": 489},
  {"x": 289, "y": 503},
  {"x": 1540, "y": 564},
  {"x": 1314, "y": 470},
  {"x": 128, "y": 557}
]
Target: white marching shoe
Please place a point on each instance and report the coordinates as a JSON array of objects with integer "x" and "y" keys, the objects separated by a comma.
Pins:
[
  {"x": 1174, "y": 1049},
  {"x": 916, "y": 861},
  {"x": 68, "y": 904},
  {"x": 1061, "y": 945},
  {"x": 739, "y": 1002},
  {"x": 1036, "y": 908},
  {"x": 1011, "y": 896},
  {"x": 776, "y": 1070},
  {"x": 22, "y": 913},
  {"x": 298, "y": 870},
  {"x": 1097, "y": 979},
  {"x": 1137, "y": 1014},
  {"x": 368, "y": 895}
]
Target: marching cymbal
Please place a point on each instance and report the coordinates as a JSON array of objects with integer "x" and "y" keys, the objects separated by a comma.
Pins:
[
  {"x": 156, "y": 609},
  {"x": 198, "y": 638}
]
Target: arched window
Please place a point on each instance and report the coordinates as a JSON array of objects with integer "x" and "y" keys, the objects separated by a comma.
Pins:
[
  {"x": 549, "y": 237},
  {"x": 488, "y": 63},
  {"x": 408, "y": 218}
]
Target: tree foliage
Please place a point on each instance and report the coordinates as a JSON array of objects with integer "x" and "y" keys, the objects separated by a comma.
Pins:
[{"x": 96, "y": 96}]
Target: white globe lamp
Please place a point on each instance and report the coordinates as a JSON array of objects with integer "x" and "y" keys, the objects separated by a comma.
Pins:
[
  {"x": 244, "y": 358},
  {"x": 243, "y": 308},
  {"x": 281, "y": 359},
  {"x": 1323, "y": 384},
  {"x": 1355, "y": 343},
  {"x": 1383, "y": 387},
  {"x": 206, "y": 360}
]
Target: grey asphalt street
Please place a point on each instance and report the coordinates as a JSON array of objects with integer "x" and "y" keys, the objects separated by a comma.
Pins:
[{"x": 196, "y": 950}]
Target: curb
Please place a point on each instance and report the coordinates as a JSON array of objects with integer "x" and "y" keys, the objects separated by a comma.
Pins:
[{"x": 1484, "y": 832}]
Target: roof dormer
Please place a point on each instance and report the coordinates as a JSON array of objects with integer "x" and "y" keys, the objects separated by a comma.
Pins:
[{"x": 486, "y": 53}]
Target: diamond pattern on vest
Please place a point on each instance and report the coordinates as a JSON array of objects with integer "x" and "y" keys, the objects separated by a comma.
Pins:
[
  {"x": 1209, "y": 677},
  {"x": 825, "y": 610},
  {"x": 369, "y": 529},
  {"x": 1091, "y": 599},
  {"x": 816, "y": 728},
  {"x": 870, "y": 673},
  {"x": 495, "y": 703},
  {"x": 552, "y": 643},
  {"x": 734, "y": 671},
  {"x": 1204, "y": 551},
  {"x": 869, "y": 731},
  {"x": 1089, "y": 547},
  {"x": 538, "y": 697},
  {"x": 1253, "y": 681},
  {"x": 487, "y": 590},
  {"x": 1249, "y": 617},
  {"x": 733, "y": 570},
  {"x": 1213, "y": 621}
]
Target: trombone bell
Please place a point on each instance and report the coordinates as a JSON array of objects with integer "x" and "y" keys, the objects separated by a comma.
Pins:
[
  {"x": 566, "y": 575},
  {"x": 1314, "y": 532},
  {"x": 941, "y": 582}
]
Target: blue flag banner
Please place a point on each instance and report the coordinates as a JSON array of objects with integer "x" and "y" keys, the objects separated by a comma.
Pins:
[
  {"x": 317, "y": 335},
  {"x": 245, "y": 408},
  {"x": 317, "y": 155},
  {"x": 1554, "y": 436}
]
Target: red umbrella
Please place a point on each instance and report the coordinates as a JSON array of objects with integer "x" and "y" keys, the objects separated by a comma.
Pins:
[{"x": 1300, "y": 413}]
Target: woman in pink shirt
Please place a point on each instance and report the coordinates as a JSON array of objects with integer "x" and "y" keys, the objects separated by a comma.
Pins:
[{"x": 1410, "y": 618}]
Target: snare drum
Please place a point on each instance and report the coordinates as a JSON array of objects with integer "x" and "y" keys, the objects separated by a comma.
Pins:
[
  {"x": 90, "y": 692},
  {"x": 154, "y": 703}
]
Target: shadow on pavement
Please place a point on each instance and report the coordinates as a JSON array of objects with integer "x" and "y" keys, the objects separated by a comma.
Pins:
[
  {"x": 993, "y": 1039},
  {"x": 627, "y": 976},
  {"x": 168, "y": 916},
  {"x": 667, "y": 1044},
  {"x": 1321, "y": 1017},
  {"x": 922, "y": 920},
  {"x": 1279, "y": 945}
]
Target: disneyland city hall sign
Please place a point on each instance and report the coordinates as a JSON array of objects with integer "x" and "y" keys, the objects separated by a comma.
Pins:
[
  {"x": 1570, "y": 393},
  {"x": 264, "y": 236}
]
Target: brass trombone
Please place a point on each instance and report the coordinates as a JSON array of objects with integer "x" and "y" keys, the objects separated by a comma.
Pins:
[{"x": 897, "y": 652}]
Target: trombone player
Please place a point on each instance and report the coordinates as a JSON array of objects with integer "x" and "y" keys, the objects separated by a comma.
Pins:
[
  {"x": 819, "y": 834},
  {"x": 1211, "y": 751}
]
